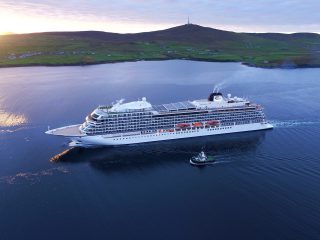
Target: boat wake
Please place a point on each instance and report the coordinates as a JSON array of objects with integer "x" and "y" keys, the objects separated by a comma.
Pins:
[
  {"x": 222, "y": 161},
  {"x": 292, "y": 123}
]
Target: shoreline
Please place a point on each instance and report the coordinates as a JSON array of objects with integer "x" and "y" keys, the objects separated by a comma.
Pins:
[{"x": 159, "y": 59}]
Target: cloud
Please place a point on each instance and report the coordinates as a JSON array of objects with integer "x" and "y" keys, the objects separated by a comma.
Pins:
[{"x": 140, "y": 15}]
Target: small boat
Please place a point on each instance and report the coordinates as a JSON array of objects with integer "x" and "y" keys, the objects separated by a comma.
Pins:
[{"x": 201, "y": 159}]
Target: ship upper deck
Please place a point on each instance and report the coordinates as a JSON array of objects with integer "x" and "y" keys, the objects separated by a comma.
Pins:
[
  {"x": 170, "y": 107},
  {"x": 214, "y": 103}
]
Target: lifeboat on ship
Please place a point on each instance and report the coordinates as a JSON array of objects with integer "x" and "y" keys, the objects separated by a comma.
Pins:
[
  {"x": 182, "y": 125},
  {"x": 169, "y": 130},
  {"x": 197, "y": 124},
  {"x": 212, "y": 123}
]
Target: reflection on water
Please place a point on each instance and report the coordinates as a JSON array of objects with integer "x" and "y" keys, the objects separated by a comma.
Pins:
[
  {"x": 31, "y": 177},
  {"x": 169, "y": 152},
  {"x": 11, "y": 120}
]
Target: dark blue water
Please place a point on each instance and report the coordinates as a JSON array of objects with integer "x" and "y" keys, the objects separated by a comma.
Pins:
[{"x": 265, "y": 185}]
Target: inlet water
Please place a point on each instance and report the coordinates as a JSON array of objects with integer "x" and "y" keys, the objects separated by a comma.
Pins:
[{"x": 266, "y": 185}]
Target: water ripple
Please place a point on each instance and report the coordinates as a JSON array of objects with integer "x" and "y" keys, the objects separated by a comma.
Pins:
[
  {"x": 32, "y": 177},
  {"x": 5, "y": 130}
]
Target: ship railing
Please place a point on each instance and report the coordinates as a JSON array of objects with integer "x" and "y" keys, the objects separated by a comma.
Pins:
[
  {"x": 103, "y": 107},
  {"x": 251, "y": 106},
  {"x": 107, "y": 109}
]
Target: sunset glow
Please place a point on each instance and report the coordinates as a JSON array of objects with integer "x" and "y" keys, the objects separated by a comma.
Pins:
[
  {"x": 24, "y": 16},
  {"x": 11, "y": 120},
  {"x": 11, "y": 22},
  {"x": 18, "y": 21}
]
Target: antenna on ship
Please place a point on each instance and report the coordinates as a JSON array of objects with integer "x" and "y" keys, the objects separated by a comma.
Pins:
[{"x": 188, "y": 21}]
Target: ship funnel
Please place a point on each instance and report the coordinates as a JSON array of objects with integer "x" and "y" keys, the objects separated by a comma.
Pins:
[{"x": 214, "y": 96}]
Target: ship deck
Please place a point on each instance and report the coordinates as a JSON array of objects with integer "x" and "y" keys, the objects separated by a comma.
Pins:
[
  {"x": 68, "y": 131},
  {"x": 178, "y": 106}
]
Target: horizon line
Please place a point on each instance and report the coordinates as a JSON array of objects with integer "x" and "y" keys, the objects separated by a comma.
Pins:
[{"x": 160, "y": 29}]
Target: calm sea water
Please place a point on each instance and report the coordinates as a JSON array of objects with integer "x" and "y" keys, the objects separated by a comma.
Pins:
[{"x": 265, "y": 185}]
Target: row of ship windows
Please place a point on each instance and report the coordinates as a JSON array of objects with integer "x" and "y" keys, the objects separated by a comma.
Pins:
[
  {"x": 179, "y": 117},
  {"x": 142, "y": 124},
  {"x": 169, "y": 133},
  {"x": 169, "y": 123},
  {"x": 193, "y": 115},
  {"x": 183, "y": 117},
  {"x": 124, "y": 115},
  {"x": 101, "y": 130},
  {"x": 186, "y": 120},
  {"x": 172, "y": 122},
  {"x": 149, "y": 112}
]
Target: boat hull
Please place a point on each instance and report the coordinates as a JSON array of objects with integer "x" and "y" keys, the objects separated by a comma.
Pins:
[
  {"x": 201, "y": 163},
  {"x": 127, "y": 138}
]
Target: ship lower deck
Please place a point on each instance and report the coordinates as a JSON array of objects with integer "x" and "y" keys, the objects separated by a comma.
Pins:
[
  {"x": 134, "y": 138},
  {"x": 68, "y": 131}
]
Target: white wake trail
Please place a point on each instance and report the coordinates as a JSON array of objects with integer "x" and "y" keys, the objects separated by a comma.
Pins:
[{"x": 292, "y": 123}]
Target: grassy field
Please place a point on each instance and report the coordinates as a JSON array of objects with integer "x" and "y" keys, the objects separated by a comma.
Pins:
[{"x": 289, "y": 51}]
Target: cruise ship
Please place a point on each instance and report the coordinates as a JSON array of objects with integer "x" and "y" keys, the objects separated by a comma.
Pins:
[{"x": 140, "y": 121}]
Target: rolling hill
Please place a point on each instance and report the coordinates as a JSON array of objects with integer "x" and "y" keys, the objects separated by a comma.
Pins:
[{"x": 182, "y": 42}]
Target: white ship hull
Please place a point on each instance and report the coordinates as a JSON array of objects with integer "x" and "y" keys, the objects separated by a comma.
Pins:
[{"x": 135, "y": 138}]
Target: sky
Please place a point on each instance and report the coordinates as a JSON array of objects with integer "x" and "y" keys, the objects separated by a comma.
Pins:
[{"x": 127, "y": 16}]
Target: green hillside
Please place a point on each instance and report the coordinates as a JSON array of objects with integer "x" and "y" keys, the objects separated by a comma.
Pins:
[{"x": 182, "y": 42}]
